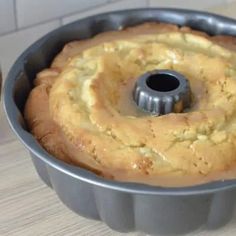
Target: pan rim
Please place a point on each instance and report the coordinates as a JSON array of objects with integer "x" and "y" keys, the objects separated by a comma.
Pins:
[{"x": 31, "y": 144}]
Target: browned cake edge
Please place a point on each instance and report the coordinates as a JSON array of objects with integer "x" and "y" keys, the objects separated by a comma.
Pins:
[{"x": 36, "y": 112}]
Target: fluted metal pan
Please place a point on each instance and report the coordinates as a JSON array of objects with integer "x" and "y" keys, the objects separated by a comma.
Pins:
[{"x": 122, "y": 206}]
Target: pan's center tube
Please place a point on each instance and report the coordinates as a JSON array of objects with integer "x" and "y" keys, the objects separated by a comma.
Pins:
[{"x": 161, "y": 92}]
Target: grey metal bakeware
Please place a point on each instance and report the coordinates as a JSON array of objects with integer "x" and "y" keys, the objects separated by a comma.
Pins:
[
  {"x": 124, "y": 207},
  {"x": 159, "y": 91}
]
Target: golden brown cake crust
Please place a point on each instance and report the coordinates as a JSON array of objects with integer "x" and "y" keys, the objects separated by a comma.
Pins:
[{"x": 98, "y": 133}]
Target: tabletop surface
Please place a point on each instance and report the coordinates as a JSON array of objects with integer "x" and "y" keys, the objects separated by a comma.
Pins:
[{"x": 28, "y": 207}]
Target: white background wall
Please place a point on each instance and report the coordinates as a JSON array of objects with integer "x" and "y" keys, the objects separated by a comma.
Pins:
[{"x": 24, "y": 21}]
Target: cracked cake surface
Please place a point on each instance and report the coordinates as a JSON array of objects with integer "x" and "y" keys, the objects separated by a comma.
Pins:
[{"x": 81, "y": 108}]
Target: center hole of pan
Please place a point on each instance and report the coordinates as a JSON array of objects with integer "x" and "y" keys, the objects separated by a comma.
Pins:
[{"x": 162, "y": 82}]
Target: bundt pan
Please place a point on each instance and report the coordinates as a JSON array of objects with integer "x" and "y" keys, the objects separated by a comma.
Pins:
[{"x": 124, "y": 207}]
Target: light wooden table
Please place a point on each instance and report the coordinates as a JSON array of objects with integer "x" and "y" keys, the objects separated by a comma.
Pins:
[{"x": 29, "y": 208}]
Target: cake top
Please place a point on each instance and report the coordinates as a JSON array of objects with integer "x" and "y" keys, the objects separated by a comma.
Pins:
[{"x": 91, "y": 101}]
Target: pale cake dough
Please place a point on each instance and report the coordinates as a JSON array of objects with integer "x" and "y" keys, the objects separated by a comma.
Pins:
[{"x": 81, "y": 109}]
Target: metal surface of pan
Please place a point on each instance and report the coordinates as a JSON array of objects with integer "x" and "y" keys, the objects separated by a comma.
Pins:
[{"x": 124, "y": 207}]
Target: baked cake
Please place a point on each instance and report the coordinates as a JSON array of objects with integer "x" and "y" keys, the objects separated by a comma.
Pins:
[{"x": 81, "y": 109}]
